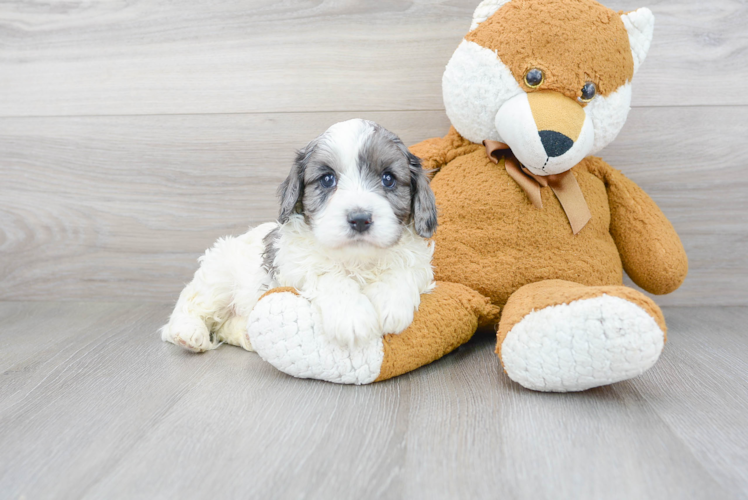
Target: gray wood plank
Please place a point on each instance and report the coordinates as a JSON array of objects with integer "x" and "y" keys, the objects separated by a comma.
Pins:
[
  {"x": 128, "y": 416},
  {"x": 708, "y": 357},
  {"x": 22, "y": 327},
  {"x": 119, "y": 208},
  {"x": 160, "y": 57},
  {"x": 80, "y": 409}
]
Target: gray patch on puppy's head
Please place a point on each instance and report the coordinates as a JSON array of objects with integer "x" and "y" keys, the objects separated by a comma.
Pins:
[
  {"x": 320, "y": 162},
  {"x": 300, "y": 192},
  {"x": 411, "y": 197}
]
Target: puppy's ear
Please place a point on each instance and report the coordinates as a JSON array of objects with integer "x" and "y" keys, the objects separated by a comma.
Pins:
[
  {"x": 422, "y": 199},
  {"x": 292, "y": 189}
]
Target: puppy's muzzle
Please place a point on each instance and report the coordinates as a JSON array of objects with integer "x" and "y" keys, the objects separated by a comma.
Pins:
[{"x": 360, "y": 221}]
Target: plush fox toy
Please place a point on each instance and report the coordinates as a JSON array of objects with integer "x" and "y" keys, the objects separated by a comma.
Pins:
[{"x": 534, "y": 232}]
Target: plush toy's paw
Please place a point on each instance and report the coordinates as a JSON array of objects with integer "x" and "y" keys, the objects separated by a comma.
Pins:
[
  {"x": 187, "y": 332},
  {"x": 349, "y": 319},
  {"x": 583, "y": 344},
  {"x": 286, "y": 331},
  {"x": 395, "y": 308}
]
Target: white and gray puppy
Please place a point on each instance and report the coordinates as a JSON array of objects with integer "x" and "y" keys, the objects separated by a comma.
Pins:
[{"x": 354, "y": 213}]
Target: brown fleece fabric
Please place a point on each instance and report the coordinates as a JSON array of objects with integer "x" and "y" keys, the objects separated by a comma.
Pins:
[
  {"x": 437, "y": 152},
  {"x": 554, "y": 111},
  {"x": 542, "y": 294},
  {"x": 651, "y": 251},
  {"x": 446, "y": 319},
  {"x": 493, "y": 240},
  {"x": 572, "y": 41},
  {"x": 280, "y": 289}
]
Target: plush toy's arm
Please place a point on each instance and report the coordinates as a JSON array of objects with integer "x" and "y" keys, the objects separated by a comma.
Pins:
[
  {"x": 651, "y": 251},
  {"x": 437, "y": 152}
]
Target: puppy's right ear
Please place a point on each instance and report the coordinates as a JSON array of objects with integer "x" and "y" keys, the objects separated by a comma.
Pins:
[{"x": 292, "y": 189}]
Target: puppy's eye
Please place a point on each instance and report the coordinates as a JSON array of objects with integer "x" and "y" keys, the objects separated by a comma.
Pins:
[
  {"x": 328, "y": 181},
  {"x": 589, "y": 91},
  {"x": 534, "y": 78},
  {"x": 388, "y": 180}
]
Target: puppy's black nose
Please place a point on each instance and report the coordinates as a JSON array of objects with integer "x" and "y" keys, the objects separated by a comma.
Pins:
[
  {"x": 555, "y": 143},
  {"x": 359, "y": 221}
]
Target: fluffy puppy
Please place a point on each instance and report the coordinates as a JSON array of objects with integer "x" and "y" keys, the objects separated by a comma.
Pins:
[{"x": 354, "y": 213}]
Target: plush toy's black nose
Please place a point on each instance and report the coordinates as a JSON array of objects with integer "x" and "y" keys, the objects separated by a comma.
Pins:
[
  {"x": 360, "y": 221},
  {"x": 555, "y": 143}
]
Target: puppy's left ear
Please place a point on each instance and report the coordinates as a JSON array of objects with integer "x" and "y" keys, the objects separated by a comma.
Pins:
[{"x": 422, "y": 198}]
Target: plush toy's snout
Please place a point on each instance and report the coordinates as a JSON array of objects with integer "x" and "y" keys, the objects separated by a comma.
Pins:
[
  {"x": 547, "y": 131},
  {"x": 559, "y": 121}
]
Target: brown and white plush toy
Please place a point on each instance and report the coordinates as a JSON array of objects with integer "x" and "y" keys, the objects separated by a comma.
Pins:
[{"x": 534, "y": 232}]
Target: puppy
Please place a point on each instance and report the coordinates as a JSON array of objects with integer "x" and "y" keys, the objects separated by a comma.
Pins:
[{"x": 355, "y": 211}]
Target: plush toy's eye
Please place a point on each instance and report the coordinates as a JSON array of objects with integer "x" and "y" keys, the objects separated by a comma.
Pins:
[
  {"x": 534, "y": 78},
  {"x": 588, "y": 92},
  {"x": 388, "y": 180},
  {"x": 328, "y": 181}
]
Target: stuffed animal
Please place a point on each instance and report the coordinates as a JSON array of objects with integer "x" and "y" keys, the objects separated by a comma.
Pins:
[{"x": 534, "y": 233}]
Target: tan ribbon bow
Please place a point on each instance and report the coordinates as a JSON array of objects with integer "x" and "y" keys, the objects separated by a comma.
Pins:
[{"x": 564, "y": 185}]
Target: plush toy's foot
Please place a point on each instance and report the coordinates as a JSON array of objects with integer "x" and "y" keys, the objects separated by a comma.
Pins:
[
  {"x": 285, "y": 330},
  {"x": 559, "y": 336}
]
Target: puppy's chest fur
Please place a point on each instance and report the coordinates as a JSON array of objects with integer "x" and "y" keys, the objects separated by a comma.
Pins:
[{"x": 294, "y": 258}]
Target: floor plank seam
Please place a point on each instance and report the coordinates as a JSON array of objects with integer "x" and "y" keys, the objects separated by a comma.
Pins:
[{"x": 323, "y": 111}]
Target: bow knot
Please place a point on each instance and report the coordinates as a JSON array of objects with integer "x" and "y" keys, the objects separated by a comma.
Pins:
[{"x": 564, "y": 185}]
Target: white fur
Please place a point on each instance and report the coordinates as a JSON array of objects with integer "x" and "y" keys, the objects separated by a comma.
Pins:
[
  {"x": 584, "y": 344},
  {"x": 364, "y": 285},
  {"x": 640, "y": 27},
  {"x": 382, "y": 285},
  {"x": 228, "y": 284},
  {"x": 486, "y": 9}
]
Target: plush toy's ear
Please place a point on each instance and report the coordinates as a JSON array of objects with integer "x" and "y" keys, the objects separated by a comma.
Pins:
[
  {"x": 486, "y": 9},
  {"x": 292, "y": 189},
  {"x": 640, "y": 26}
]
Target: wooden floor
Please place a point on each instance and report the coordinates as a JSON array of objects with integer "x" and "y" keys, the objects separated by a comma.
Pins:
[{"x": 93, "y": 406}]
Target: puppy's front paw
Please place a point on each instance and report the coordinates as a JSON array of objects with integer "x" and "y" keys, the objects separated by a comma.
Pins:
[
  {"x": 394, "y": 308},
  {"x": 349, "y": 319},
  {"x": 187, "y": 332}
]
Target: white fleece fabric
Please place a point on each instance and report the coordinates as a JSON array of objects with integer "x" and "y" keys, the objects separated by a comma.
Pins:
[
  {"x": 640, "y": 27},
  {"x": 285, "y": 331},
  {"x": 580, "y": 345},
  {"x": 475, "y": 84}
]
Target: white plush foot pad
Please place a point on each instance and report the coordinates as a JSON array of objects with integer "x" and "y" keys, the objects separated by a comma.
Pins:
[
  {"x": 285, "y": 330},
  {"x": 580, "y": 345}
]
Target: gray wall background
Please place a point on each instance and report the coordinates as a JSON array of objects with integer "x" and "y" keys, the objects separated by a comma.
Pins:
[{"x": 134, "y": 133}]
